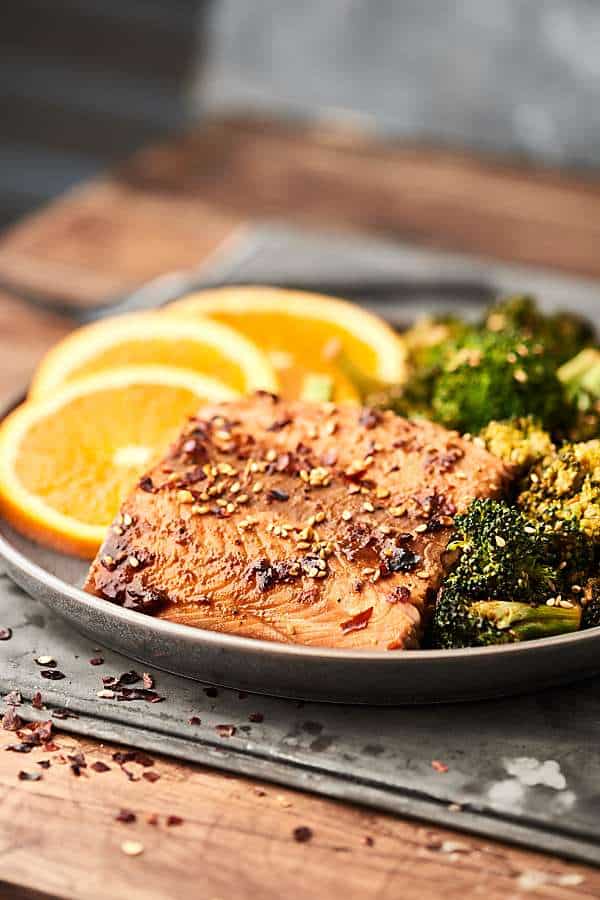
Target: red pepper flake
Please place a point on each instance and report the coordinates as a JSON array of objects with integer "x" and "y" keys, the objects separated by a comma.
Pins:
[
  {"x": 11, "y": 721},
  {"x": 368, "y": 841},
  {"x": 30, "y": 776},
  {"x": 147, "y": 681},
  {"x": 13, "y": 698},
  {"x": 127, "y": 816},
  {"x": 43, "y": 763},
  {"x": 36, "y": 700},
  {"x": 174, "y": 820},
  {"x": 62, "y": 712},
  {"x": 150, "y": 776},
  {"x": 77, "y": 762},
  {"x": 96, "y": 661},
  {"x": 5, "y": 634},
  {"x": 439, "y": 766},
  {"x": 51, "y": 747},
  {"x": 194, "y": 720},
  {"x": 357, "y": 622},
  {"x": 256, "y": 717},
  {"x": 100, "y": 766},
  {"x": 302, "y": 834},
  {"x": 152, "y": 819},
  {"x": 400, "y": 594},
  {"x": 146, "y": 484},
  {"x": 225, "y": 731},
  {"x": 52, "y": 674}
]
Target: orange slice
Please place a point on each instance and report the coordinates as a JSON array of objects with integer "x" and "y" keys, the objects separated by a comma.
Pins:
[
  {"x": 67, "y": 461},
  {"x": 300, "y": 333},
  {"x": 201, "y": 345}
]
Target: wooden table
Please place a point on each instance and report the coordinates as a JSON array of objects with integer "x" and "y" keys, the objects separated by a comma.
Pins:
[{"x": 170, "y": 207}]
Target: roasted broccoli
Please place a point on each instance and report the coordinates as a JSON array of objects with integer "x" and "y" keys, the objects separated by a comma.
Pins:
[
  {"x": 561, "y": 334},
  {"x": 565, "y": 488},
  {"x": 512, "y": 582},
  {"x": 591, "y": 604},
  {"x": 490, "y": 376},
  {"x": 581, "y": 378},
  {"x": 518, "y": 442}
]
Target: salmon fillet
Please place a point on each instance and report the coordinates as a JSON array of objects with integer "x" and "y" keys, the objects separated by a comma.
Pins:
[{"x": 297, "y": 522}]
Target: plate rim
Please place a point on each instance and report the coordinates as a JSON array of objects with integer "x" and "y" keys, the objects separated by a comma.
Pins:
[{"x": 15, "y": 558}]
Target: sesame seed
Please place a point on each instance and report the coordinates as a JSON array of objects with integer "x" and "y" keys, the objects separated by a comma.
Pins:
[
  {"x": 200, "y": 510},
  {"x": 346, "y": 515},
  {"x": 243, "y": 498},
  {"x": 520, "y": 375},
  {"x": 235, "y": 487},
  {"x": 320, "y": 517},
  {"x": 222, "y": 435},
  {"x": 397, "y": 511},
  {"x": 132, "y": 848},
  {"x": 303, "y": 545},
  {"x": 331, "y": 428},
  {"x": 271, "y": 455},
  {"x": 185, "y": 496},
  {"x": 230, "y": 507},
  {"x": 127, "y": 520},
  {"x": 257, "y": 487},
  {"x": 500, "y": 542},
  {"x": 133, "y": 561},
  {"x": 381, "y": 493},
  {"x": 107, "y": 560},
  {"x": 368, "y": 506},
  {"x": 385, "y": 529},
  {"x": 550, "y": 601},
  {"x": 421, "y": 529}
]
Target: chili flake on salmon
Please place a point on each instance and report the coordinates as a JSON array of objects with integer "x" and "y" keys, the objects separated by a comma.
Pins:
[{"x": 297, "y": 522}]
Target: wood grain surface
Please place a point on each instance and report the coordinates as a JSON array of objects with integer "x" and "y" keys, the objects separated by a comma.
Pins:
[
  {"x": 170, "y": 207},
  {"x": 172, "y": 204},
  {"x": 237, "y": 840}
]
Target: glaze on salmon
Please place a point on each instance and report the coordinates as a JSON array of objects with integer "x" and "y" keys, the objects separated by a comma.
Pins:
[{"x": 297, "y": 522}]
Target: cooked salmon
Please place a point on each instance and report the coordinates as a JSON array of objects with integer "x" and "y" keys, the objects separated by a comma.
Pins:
[{"x": 298, "y": 522}]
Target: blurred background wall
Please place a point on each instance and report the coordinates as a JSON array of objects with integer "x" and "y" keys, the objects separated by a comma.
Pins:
[{"x": 84, "y": 82}]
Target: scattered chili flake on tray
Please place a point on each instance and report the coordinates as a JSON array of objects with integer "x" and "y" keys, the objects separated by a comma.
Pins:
[
  {"x": 100, "y": 766},
  {"x": 194, "y": 720},
  {"x": 5, "y": 634},
  {"x": 43, "y": 763},
  {"x": 11, "y": 721},
  {"x": 52, "y": 674},
  {"x": 256, "y": 717},
  {"x": 13, "y": 698},
  {"x": 225, "y": 731},
  {"x": 36, "y": 700},
  {"x": 439, "y": 766},
  {"x": 302, "y": 834},
  {"x": 97, "y": 661}
]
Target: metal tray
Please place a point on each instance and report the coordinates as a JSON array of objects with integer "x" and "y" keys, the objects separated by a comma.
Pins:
[{"x": 341, "y": 676}]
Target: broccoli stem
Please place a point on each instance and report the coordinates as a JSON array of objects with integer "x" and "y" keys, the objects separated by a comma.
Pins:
[{"x": 527, "y": 622}]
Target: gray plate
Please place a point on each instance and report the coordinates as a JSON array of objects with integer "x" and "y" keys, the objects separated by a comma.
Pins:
[
  {"x": 424, "y": 281},
  {"x": 343, "y": 676}
]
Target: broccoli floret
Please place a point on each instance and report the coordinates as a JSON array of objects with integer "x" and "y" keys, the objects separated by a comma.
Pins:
[
  {"x": 565, "y": 488},
  {"x": 512, "y": 581},
  {"x": 581, "y": 378},
  {"x": 562, "y": 334},
  {"x": 518, "y": 442},
  {"x": 492, "y": 377}
]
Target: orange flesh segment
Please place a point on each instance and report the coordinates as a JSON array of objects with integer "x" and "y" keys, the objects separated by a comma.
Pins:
[
  {"x": 162, "y": 352},
  {"x": 106, "y": 441},
  {"x": 304, "y": 342}
]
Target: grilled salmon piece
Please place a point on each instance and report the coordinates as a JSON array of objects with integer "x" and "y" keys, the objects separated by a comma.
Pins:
[{"x": 297, "y": 522}]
